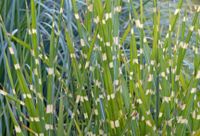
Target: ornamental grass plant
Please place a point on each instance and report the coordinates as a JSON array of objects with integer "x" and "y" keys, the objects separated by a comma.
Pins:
[{"x": 99, "y": 67}]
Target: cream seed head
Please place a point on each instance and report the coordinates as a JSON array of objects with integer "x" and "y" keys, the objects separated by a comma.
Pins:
[
  {"x": 198, "y": 104},
  {"x": 34, "y": 119},
  {"x": 40, "y": 96},
  {"x": 17, "y": 66},
  {"x": 166, "y": 99},
  {"x": 108, "y": 97},
  {"x": 11, "y": 50},
  {"x": 148, "y": 122},
  {"x": 138, "y": 24},
  {"x": 170, "y": 28},
  {"x": 29, "y": 95},
  {"x": 195, "y": 49},
  {"x": 182, "y": 106},
  {"x": 40, "y": 81},
  {"x": 90, "y": 7},
  {"x": 41, "y": 134},
  {"x": 48, "y": 126},
  {"x": 73, "y": 56},
  {"x": 3, "y": 92},
  {"x": 112, "y": 96},
  {"x": 50, "y": 71},
  {"x": 137, "y": 84},
  {"x": 78, "y": 97},
  {"x": 177, "y": 78},
  {"x": 101, "y": 96},
  {"x": 193, "y": 90},
  {"x": 117, "y": 123},
  {"x": 112, "y": 124},
  {"x": 149, "y": 92},
  {"x": 145, "y": 40},
  {"x": 116, "y": 40},
  {"x": 160, "y": 114},
  {"x": 104, "y": 57},
  {"x": 107, "y": 44},
  {"x": 132, "y": 31},
  {"x": 100, "y": 38},
  {"x": 160, "y": 87},
  {"x": 111, "y": 64},
  {"x": 174, "y": 70},
  {"x": 152, "y": 62},
  {"x": 142, "y": 118},
  {"x": 116, "y": 82},
  {"x": 34, "y": 31},
  {"x": 40, "y": 56},
  {"x": 193, "y": 114},
  {"x": 85, "y": 115},
  {"x": 172, "y": 94},
  {"x": 103, "y": 21},
  {"x": 154, "y": 10},
  {"x": 13, "y": 90},
  {"x": 82, "y": 42},
  {"x": 49, "y": 108},
  {"x": 150, "y": 78},
  {"x": 184, "y": 19},
  {"x": 98, "y": 83},
  {"x": 78, "y": 112},
  {"x": 176, "y": 12},
  {"x": 135, "y": 61},
  {"x": 117, "y": 9},
  {"x": 45, "y": 56},
  {"x": 61, "y": 10},
  {"x": 198, "y": 117},
  {"x": 108, "y": 16},
  {"x": 163, "y": 74},
  {"x": 120, "y": 71},
  {"x": 167, "y": 36},
  {"x": 198, "y": 75},
  {"x": 17, "y": 129},
  {"x": 87, "y": 64},
  {"x": 139, "y": 101},
  {"x": 198, "y": 9},
  {"x": 101, "y": 132},
  {"x": 37, "y": 61},
  {"x": 96, "y": 112},
  {"x": 24, "y": 96},
  {"x": 82, "y": 99},
  {"x": 96, "y": 20},
  {"x": 191, "y": 28},
  {"x": 73, "y": 115},
  {"x": 148, "y": 112},
  {"x": 35, "y": 71},
  {"x": 90, "y": 134},
  {"x": 22, "y": 103},
  {"x": 169, "y": 122},
  {"x": 31, "y": 87},
  {"x": 141, "y": 66},
  {"x": 29, "y": 31},
  {"x": 76, "y": 16},
  {"x": 182, "y": 120}
]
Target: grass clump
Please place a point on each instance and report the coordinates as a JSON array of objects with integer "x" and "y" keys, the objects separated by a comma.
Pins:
[{"x": 110, "y": 67}]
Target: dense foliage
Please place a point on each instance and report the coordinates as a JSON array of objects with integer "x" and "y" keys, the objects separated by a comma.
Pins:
[{"x": 99, "y": 67}]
